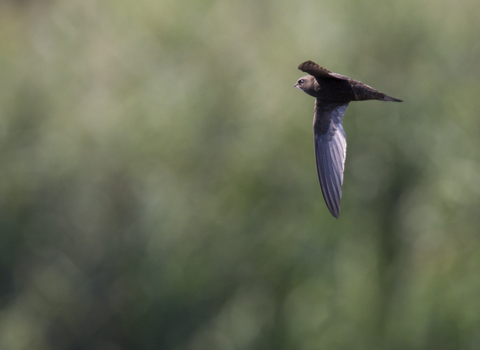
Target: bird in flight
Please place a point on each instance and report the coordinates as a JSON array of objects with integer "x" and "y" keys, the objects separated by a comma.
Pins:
[{"x": 333, "y": 93}]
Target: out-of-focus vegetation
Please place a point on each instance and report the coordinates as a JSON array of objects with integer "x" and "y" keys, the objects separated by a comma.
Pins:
[{"x": 158, "y": 186}]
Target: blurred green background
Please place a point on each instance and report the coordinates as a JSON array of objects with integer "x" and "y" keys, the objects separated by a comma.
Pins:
[{"x": 158, "y": 187}]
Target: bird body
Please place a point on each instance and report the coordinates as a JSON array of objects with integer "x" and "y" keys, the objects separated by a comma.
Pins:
[{"x": 333, "y": 92}]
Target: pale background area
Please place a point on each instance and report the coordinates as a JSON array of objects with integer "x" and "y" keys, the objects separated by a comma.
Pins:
[{"x": 158, "y": 187}]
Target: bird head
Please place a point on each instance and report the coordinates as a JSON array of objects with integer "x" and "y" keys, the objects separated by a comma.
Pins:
[{"x": 306, "y": 84}]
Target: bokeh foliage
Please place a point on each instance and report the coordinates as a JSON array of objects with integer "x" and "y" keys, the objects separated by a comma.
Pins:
[{"x": 158, "y": 187}]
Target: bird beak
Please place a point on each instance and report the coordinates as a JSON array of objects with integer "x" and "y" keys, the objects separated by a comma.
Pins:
[{"x": 296, "y": 85}]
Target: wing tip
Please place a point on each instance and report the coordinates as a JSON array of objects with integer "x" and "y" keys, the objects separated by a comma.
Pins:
[
  {"x": 304, "y": 65},
  {"x": 392, "y": 99},
  {"x": 334, "y": 211},
  {"x": 309, "y": 66}
]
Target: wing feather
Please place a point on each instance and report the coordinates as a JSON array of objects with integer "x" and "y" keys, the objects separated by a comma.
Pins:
[
  {"x": 319, "y": 72},
  {"x": 330, "y": 151}
]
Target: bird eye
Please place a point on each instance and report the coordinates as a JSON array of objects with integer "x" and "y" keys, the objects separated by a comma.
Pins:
[{"x": 301, "y": 81}]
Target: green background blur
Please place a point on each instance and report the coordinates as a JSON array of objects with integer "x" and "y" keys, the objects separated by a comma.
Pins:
[{"x": 158, "y": 187}]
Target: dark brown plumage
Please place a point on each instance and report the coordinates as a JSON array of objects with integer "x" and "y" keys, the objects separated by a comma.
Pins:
[{"x": 333, "y": 92}]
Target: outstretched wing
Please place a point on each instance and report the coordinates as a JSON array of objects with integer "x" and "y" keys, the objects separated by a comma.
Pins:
[
  {"x": 330, "y": 151},
  {"x": 319, "y": 72}
]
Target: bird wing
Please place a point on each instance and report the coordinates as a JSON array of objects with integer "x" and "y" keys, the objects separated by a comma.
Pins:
[
  {"x": 319, "y": 72},
  {"x": 330, "y": 151}
]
